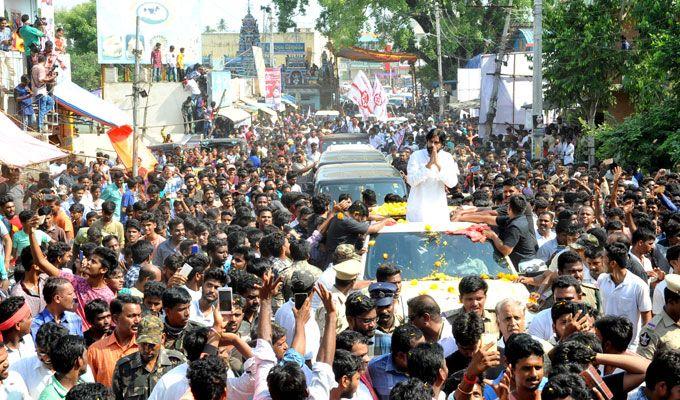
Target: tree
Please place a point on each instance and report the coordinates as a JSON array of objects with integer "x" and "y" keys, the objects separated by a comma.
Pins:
[
  {"x": 80, "y": 26},
  {"x": 221, "y": 25},
  {"x": 582, "y": 58},
  {"x": 469, "y": 27},
  {"x": 287, "y": 9},
  {"x": 208, "y": 29},
  {"x": 650, "y": 138}
]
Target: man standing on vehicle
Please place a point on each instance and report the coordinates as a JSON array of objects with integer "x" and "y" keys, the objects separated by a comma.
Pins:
[{"x": 430, "y": 171}]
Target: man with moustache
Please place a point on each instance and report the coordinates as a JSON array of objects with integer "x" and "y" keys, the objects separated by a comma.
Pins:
[
  {"x": 430, "y": 171},
  {"x": 383, "y": 294}
]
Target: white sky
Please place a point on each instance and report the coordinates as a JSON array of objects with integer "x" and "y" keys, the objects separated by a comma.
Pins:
[{"x": 232, "y": 11}]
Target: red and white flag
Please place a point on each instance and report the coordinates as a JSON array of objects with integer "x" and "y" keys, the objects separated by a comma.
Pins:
[
  {"x": 379, "y": 101},
  {"x": 361, "y": 94}
]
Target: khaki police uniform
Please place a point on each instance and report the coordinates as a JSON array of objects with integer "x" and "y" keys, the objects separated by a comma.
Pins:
[
  {"x": 662, "y": 330},
  {"x": 489, "y": 317}
]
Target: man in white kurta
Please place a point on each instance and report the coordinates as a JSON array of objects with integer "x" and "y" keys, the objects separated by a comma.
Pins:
[{"x": 429, "y": 172}]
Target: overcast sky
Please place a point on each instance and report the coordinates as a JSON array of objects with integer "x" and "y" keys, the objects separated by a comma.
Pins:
[{"x": 232, "y": 11}]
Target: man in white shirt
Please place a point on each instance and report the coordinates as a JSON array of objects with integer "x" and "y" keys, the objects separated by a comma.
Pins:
[
  {"x": 301, "y": 282},
  {"x": 429, "y": 172},
  {"x": 12, "y": 386},
  {"x": 202, "y": 311},
  {"x": 564, "y": 288},
  {"x": 643, "y": 244},
  {"x": 544, "y": 230},
  {"x": 623, "y": 293},
  {"x": 171, "y": 65}
]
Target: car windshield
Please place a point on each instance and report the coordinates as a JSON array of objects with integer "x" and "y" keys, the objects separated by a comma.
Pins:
[
  {"x": 354, "y": 189},
  {"x": 422, "y": 253}
]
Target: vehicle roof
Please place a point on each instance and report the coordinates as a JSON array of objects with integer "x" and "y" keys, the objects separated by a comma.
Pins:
[
  {"x": 342, "y": 172},
  {"x": 351, "y": 157},
  {"x": 344, "y": 135},
  {"x": 420, "y": 227},
  {"x": 356, "y": 147}
]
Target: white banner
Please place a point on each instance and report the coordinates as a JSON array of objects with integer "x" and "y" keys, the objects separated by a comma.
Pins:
[
  {"x": 361, "y": 94},
  {"x": 379, "y": 101},
  {"x": 168, "y": 22}
]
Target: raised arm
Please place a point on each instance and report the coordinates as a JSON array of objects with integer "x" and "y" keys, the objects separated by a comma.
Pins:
[
  {"x": 268, "y": 290},
  {"x": 327, "y": 348},
  {"x": 301, "y": 317},
  {"x": 39, "y": 258}
]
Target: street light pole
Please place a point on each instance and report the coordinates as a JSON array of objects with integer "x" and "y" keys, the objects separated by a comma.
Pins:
[
  {"x": 135, "y": 101},
  {"x": 437, "y": 17},
  {"x": 537, "y": 102}
]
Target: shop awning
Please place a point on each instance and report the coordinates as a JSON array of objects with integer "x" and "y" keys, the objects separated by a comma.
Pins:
[
  {"x": 260, "y": 107},
  {"x": 80, "y": 101},
  {"x": 19, "y": 149},
  {"x": 235, "y": 114},
  {"x": 290, "y": 100},
  {"x": 361, "y": 54}
]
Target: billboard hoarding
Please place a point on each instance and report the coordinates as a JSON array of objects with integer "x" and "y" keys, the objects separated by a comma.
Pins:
[
  {"x": 259, "y": 69},
  {"x": 163, "y": 22}
]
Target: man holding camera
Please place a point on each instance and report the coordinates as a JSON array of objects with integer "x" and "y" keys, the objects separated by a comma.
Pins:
[{"x": 40, "y": 77}]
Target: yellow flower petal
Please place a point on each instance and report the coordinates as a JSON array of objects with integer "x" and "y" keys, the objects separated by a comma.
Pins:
[
  {"x": 414, "y": 282},
  {"x": 371, "y": 242},
  {"x": 386, "y": 256},
  {"x": 437, "y": 264},
  {"x": 428, "y": 227},
  {"x": 451, "y": 289},
  {"x": 484, "y": 276},
  {"x": 340, "y": 216},
  {"x": 434, "y": 286}
]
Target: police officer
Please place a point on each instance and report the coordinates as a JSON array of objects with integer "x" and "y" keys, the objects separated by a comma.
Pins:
[
  {"x": 664, "y": 329},
  {"x": 135, "y": 375},
  {"x": 346, "y": 274},
  {"x": 383, "y": 294}
]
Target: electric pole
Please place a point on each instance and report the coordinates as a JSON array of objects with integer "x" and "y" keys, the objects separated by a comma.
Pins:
[
  {"x": 537, "y": 103},
  {"x": 493, "y": 100},
  {"x": 271, "y": 38},
  {"x": 135, "y": 100},
  {"x": 437, "y": 17}
]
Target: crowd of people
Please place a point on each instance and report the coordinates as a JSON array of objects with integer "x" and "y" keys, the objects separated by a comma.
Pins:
[
  {"x": 112, "y": 283},
  {"x": 43, "y": 61}
]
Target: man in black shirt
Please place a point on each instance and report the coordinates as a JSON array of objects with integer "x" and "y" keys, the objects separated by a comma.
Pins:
[
  {"x": 515, "y": 239},
  {"x": 349, "y": 227}
]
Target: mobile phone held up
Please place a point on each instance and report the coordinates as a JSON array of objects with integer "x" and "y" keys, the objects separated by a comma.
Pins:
[
  {"x": 195, "y": 249},
  {"x": 225, "y": 300},
  {"x": 186, "y": 270},
  {"x": 299, "y": 299}
]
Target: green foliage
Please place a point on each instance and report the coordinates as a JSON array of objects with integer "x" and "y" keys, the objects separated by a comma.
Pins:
[
  {"x": 469, "y": 27},
  {"x": 654, "y": 74},
  {"x": 287, "y": 9},
  {"x": 80, "y": 27},
  {"x": 582, "y": 59},
  {"x": 222, "y": 25},
  {"x": 650, "y": 139}
]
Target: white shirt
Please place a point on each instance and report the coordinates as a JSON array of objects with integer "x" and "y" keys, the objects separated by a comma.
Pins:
[
  {"x": 195, "y": 294},
  {"x": 284, "y": 317},
  {"x": 174, "y": 384},
  {"x": 26, "y": 349},
  {"x": 196, "y": 315},
  {"x": 628, "y": 299},
  {"x": 541, "y": 240},
  {"x": 542, "y": 325},
  {"x": 323, "y": 379},
  {"x": 644, "y": 261},
  {"x": 14, "y": 388},
  {"x": 192, "y": 86},
  {"x": 171, "y": 58},
  {"x": 446, "y": 339},
  {"x": 658, "y": 299},
  {"x": 362, "y": 393},
  {"x": 427, "y": 199},
  {"x": 36, "y": 376}
]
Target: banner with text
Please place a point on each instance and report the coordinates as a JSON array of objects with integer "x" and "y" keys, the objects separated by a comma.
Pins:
[{"x": 272, "y": 84}]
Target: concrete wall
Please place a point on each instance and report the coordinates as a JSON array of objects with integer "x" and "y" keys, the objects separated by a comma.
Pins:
[{"x": 163, "y": 106}]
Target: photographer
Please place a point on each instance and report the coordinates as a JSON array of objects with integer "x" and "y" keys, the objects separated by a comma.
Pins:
[{"x": 40, "y": 77}]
